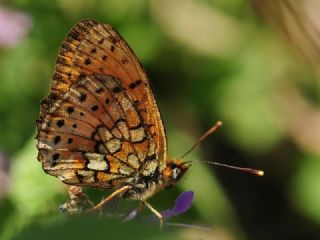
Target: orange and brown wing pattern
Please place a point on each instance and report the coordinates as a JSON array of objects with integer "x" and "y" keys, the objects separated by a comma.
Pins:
[{"x": 100, "y": 123}]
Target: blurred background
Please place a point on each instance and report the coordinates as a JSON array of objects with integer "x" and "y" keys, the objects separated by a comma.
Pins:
[{"x": 252, "y": 64}]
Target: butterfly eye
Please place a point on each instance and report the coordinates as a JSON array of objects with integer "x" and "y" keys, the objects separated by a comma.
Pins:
[{"x": 175, "y": 173}]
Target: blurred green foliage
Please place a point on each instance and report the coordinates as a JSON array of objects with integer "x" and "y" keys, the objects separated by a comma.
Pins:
[{"x": 207, "y": 60}]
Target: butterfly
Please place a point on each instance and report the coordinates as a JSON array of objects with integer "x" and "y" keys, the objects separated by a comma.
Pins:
[{"x": 100, "y": 125}]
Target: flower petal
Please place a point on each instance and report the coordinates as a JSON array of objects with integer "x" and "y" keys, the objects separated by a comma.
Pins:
[{"x": 183, "y": 202}]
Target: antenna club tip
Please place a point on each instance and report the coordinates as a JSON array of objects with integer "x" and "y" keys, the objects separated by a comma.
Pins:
[
  {"x": 219, "y": 123},
  {"x": 260, "y": 173}
]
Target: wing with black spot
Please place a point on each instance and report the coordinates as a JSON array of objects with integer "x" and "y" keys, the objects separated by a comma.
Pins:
[{"x": 100, "y": 109}]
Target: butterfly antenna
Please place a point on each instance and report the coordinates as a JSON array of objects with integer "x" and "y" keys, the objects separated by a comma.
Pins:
[
  {"x": 242, "y": 169},
  {"x": 214, "y": 128}
]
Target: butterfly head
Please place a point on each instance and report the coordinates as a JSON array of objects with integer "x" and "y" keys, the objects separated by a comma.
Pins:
[{"x": 175, "y": 169}]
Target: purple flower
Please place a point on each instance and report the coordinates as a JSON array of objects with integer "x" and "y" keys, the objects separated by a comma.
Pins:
[
  {"x": 183, "y": 203},
  {"x": 14, "y": 26}
]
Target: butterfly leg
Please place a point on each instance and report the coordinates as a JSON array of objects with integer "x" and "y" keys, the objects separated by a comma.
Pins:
[
  {"x": 155, "y": 212},
  {"x": 107, "y": 199},
  {"x": 78, "y": 201}
]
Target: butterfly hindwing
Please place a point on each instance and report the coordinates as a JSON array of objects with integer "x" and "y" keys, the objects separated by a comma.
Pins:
[{"x": 95, "y": 135}]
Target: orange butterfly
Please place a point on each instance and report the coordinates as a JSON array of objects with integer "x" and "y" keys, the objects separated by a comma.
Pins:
[{"x": 100, "y": 126}]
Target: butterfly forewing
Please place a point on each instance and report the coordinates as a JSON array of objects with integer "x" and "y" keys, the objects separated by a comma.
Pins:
[{"x": 99, "y": 124}]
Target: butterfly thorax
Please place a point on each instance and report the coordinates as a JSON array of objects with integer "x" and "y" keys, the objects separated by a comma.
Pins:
[{"x": 147, "y": 186}]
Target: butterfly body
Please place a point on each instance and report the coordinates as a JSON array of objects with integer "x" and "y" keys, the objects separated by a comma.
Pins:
[{"x": 100, "y": 126}]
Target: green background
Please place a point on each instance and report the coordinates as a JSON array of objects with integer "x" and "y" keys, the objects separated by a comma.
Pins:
[{"x": 252, "y": 64}]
